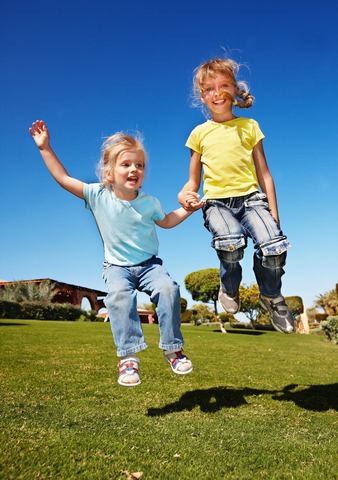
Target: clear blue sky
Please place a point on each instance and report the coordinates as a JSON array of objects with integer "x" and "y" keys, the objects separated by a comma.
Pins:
[{"x": 89, "y": 69}]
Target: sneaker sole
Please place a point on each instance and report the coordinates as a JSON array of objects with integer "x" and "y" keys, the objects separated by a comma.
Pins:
[
  {"x": 177, "y": 372},
  {"x": 128, "y": 384},
  {"x": 233, "y": 312}
]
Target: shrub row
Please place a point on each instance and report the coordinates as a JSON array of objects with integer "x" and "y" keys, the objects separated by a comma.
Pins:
[
  {"x": 330, "y": 328},
  {"x": 45, "y": 311}
]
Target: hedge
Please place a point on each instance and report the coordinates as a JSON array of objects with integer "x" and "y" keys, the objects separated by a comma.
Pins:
[
  {"x": 330, "y": 328},
  {"x": 10, "y": 309},
  {"x": 43, "y": 311}
]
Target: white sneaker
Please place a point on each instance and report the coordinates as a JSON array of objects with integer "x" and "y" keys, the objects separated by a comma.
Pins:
[
  {"x": 128, "y": 371},
  {"x": 180, "y": 364}
]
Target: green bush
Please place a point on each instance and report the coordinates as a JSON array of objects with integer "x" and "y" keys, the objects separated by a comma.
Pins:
[
  {"x": 46, "y": 311},
  {"x": 92, "y": 316},
  {"x": 186, "y": 316},
  {"x": 9, "y": 309},
  {"x": 43, "y": 311},
  {"x": 51, "y": 311},
  {"x": 183, "y": 304},
  {"x": 330, "y": 328},
  {"x": 226, "y": 318}
]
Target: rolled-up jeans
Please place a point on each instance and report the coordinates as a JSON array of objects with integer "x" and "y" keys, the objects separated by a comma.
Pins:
[
  {"x": 231, "y": 221},
  {"x": 152, "y": 278}
]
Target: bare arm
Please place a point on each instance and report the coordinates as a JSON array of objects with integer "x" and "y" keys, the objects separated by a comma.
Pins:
[
  {"x": 265, "y": 179},
  {"x": 40, "y": 135},
  {"x": 174, "y": 218},
  {"x": 188, "y": 197}
]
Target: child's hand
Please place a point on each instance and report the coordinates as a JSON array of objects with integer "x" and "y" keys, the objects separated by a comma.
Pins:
[
  {"x": 189, "y": 200},
  {"x": 40, "y": 134}
]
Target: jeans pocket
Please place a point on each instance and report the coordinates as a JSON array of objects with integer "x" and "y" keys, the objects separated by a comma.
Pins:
[
  {"x": 274, "y": 254},
  {"x": 257, "y": 198},
  {"x": 231, "y": 247}
]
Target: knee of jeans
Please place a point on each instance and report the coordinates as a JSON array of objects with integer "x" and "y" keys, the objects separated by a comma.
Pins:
[
  {"x": 274, "y": 254},
  {"x": 230, "y": 249},
  {"x": 168, "y": 293}
]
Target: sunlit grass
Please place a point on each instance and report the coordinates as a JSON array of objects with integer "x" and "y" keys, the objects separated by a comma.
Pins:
[{"x": 257, "y": 405}]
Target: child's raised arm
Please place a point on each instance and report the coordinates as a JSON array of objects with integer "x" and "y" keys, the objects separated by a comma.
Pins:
[{"x": 40, "y": 135}]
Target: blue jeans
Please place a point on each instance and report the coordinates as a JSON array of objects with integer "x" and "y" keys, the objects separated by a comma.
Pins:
[
  {"x": 231, "y": 221},
  {"x": 152, "y": 278}
]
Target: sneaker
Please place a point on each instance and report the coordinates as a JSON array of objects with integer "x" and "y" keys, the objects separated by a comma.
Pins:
[
  {"x": 180, "y": 364},
  {"x": 229, "y": 304},
  {"x": 281, "y": 316},
  {"x": 128, "y": 371}
]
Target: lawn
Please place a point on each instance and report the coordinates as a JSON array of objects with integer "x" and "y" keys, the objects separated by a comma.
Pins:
[{"x": 258, "y": 405}]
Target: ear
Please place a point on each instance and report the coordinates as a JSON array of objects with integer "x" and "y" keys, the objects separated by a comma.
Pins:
[
  {"x": 202, "y": 98},
  {"x": 110, "y": 177},
  {"x": 235, "y": 91}
]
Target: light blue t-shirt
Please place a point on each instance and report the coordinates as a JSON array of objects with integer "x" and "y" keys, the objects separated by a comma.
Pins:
[{"x": 127, "y": 228}]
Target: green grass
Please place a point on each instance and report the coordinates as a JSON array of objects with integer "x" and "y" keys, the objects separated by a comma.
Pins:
[{"x": 258, "y": 405}]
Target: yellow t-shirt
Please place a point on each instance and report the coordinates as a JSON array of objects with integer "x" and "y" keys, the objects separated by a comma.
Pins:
[{"x": 226, "y": 155}]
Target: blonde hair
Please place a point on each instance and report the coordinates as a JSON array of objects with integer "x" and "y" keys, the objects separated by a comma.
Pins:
[
  {"x": 220, "y": 66},
  {"x": 112, "y": 148}
]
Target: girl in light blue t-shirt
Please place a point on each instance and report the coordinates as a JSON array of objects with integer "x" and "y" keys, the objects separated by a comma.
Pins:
[{"x": 126, "y": 220}]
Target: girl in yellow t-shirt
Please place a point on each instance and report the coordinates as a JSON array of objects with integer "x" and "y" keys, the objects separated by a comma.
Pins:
[{"x": 231, "y": 151}]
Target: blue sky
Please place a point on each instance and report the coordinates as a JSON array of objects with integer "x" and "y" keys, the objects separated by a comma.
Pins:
[{"x": 89, "y": 69}]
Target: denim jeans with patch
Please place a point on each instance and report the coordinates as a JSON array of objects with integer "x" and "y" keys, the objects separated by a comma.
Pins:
[
  {"x": 231, "y": 221},
  {"x": 152, "y": 278}
]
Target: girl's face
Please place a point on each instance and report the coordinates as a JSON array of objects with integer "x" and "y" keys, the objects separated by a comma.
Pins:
[
  {"x": 219, "y": 106},
  {"x": 128, "y": 174}
]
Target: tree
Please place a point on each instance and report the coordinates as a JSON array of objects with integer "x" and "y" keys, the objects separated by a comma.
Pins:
[
  {"x": 203, "y": 286},
  {"x": 311, "y": 314},
  {"x": 295, "y": 305},
  {"x": 183, "y": 304},
  {"x": 201, "y": 312},
  {"x": 328, "y": 302},
  {"x": 29, "y": 291},
  {"x": 250, "y": 305}
]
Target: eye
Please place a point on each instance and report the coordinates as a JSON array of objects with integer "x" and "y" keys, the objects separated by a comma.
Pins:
[
  {"x": 125, "y": 164},
  {"x": 139, "y": 165}
]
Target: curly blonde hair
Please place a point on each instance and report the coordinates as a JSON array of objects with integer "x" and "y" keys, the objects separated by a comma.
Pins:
[
  {"x": 112, "y": 148},
  {"x": 220, "y": 66}
]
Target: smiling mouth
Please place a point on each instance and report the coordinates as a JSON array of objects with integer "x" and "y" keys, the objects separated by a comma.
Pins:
[
  {"x": 132, "y": 179},
  {"x": 226, "y": 95}
]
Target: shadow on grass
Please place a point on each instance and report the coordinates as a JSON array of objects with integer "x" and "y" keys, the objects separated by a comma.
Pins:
[
  {"x": 318, "y": 398},
  {"x": 2, "y": 324},
  {"x": 209, "y": 400},
  {"x": 242, "y": 332}
]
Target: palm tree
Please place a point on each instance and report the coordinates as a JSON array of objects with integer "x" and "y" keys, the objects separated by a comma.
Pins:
[
  {"x": 29, "y": 291},
  {"x": 328, "y": 302}
]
